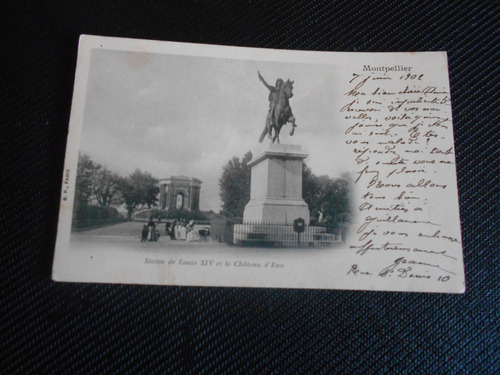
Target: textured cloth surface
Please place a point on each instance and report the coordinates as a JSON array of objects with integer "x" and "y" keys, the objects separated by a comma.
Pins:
[{"x": 61, "y": 328}]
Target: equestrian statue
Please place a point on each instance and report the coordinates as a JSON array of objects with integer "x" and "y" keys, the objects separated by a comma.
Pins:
[{"x": 280, "y": 112}]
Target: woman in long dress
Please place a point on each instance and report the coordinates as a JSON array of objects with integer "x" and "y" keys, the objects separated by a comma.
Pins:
[
  {"x": 172, "y": 230},
  {"x": 182, "y": 232},
  {"x": 178, "y": 230},
  {"x": 192, "y": 235},
  {"x": 151, "y": 227}
]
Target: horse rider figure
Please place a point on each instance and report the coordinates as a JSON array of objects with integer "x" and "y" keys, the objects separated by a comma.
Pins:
[
  {"x": 280, "y": 112},
  {"x": 274, "y": 93}
]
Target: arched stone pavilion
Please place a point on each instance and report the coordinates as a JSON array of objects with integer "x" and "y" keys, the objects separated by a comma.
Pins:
[{"x": 180, "y": 192}]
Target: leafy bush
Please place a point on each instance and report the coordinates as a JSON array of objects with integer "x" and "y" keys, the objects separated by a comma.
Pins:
[
  {"x": 87, "y": 217},
  {"x": 185, "y": 214},
  {"x": 156, "y": 213}
]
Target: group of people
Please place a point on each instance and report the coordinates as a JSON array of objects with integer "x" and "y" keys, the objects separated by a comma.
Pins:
[{"x": 177, "y": 229}]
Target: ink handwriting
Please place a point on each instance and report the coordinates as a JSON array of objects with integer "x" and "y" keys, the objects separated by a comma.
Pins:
[{"x": 398, "y": 127}]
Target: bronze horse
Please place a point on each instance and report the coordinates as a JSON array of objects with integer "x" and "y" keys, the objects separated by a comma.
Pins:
[{"x": 281, "y": 114}]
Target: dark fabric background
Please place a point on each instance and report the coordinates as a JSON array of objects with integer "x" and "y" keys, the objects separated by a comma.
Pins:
[{"x": 65, "y": 328}]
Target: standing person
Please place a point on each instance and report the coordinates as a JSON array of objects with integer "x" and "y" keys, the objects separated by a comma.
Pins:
[
  {"x": 181, "y": 232},
  {"x": 178, "y": 229},
  {"x": 151, "y": 227},
  {"x": 192, "y": 235},
  {"x": 144, "y": 233},
  {"x": 172, "y": 230}
]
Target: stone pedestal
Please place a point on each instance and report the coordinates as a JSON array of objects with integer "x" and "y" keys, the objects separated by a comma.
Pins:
[{"x": 276, "y": 185}]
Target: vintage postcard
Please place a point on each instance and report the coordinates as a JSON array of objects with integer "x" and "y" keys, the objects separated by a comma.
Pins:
[{"x": 208, "y": 165}]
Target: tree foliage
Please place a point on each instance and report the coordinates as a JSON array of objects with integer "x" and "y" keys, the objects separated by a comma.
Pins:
[
  {"x": 140, "y": 189},
  {"x": 95, "y": 184},
  {"x": 84, "y": 177},
  {"x": 106, "y": 187},
  {"x": 89, "y": 216},
  {"x": 98, "y": 186},
  {"x": 327, "y": 198},
  {"x": 174, "y": 213},
  {"x": 234, "y": 186}
]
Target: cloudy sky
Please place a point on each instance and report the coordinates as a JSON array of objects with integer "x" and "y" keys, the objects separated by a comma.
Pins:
[{"x": 188, "y": 115}]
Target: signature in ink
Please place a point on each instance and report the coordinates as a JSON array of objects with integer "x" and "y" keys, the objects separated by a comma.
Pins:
[{"x": 404, "y": 272}]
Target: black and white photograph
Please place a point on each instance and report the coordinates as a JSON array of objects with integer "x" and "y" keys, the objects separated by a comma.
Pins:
[
  {"x": 221, "y": 166},
  {"x": 250, "y": 187}
]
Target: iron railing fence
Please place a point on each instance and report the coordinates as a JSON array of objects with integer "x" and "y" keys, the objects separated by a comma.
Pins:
[{"x": 255, "y": 234}]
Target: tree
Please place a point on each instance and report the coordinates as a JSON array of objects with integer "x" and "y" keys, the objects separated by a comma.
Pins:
[
  {"x": 106, "y": 187},
  {"x": 310, "y": 187},
  {"x": 138, "y": 190},
  {"x": 328, "y": 198},
  {"x": 234, "y": 186},
  {"x": 95, "y": 191},
  {"x": 95, "y": 183},
  {"x": 85, "y": 172}
]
